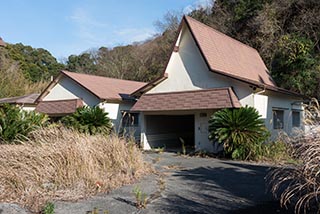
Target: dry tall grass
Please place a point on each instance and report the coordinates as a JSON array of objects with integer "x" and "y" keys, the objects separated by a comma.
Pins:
[
  {"x": 59, "y": 164},
  {"x": 299, "y": 186}
]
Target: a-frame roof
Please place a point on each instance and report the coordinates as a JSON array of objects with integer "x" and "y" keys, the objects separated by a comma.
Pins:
[{"x": 226, "y": 56}]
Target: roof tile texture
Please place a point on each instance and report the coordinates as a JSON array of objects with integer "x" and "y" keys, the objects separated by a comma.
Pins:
[
  {"x": 26, "y": 99},
  {"x": 188, "y": 100},
  {"x": 229, "y": 56},
  {"x": 59, "y": 107},
  {"x": 104, "y": 87}
]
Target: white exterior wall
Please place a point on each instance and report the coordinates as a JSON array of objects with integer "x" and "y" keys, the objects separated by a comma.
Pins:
[
  {"x": 187, "y": 70},
  {"x": 67, "y": 89},
  {"x": 115, "y": 113},
  {"x": 280, "y": 101}
]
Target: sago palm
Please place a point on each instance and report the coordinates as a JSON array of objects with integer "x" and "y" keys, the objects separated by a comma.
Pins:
[
  {"x": 89, "y": 120},
  {"x": 240, "y": 130}
]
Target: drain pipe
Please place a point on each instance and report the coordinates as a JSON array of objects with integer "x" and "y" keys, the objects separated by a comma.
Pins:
[{"x": 260, "y": 92}]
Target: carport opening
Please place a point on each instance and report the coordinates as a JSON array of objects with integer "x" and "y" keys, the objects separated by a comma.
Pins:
[{"x": 165, "y": 131}]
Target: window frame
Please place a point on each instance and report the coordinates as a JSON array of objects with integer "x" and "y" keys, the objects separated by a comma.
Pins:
[
  {"x": 275, "y": 125},
  {"x": 292, "y": 113},
  {"x": 133, "y": 119}
]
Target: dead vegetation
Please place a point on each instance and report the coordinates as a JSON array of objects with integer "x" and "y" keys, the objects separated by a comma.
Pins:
[
  {"x": 299, "y": 186},
  {"x": 59, "y": 164}
]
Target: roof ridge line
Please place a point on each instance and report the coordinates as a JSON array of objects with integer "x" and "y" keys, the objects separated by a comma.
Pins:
[
  {"x": 217, "y": 31},
  {"x": 229, "y": 92},
  {"x": 190, "y": 91},
  {"x": 92, "y": 75}
]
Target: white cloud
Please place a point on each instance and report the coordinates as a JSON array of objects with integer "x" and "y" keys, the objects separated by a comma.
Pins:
[
  {"x": 96, "y": 33},
  {"x": 129, "y": 35},
  {"x": 199, "y": 4},
  {"x": 88, "y": 28},
  {"x": 83, "y": 18}
]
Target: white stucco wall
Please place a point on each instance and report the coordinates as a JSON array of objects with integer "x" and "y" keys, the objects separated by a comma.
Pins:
[
  {"x": 66, "y": 89},
  {"x": 115, "y": 113},
  {"x": 285, "y": 103},
  {"x": 187, "y": 70}
]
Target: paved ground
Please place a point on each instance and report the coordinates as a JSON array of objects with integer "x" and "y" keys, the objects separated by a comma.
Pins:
[{"x": 188, "y": 185}]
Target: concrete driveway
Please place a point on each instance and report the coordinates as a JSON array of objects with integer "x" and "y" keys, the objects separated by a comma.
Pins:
[{"x": 188, "y": 185}]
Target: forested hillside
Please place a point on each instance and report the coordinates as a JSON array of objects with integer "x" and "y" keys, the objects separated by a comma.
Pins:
[{"x": 286, "y": 33}]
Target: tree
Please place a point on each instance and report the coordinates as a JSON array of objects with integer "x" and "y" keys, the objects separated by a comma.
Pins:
[
  {"x": 84, "y": 63},
  {"x": 37, "y": 64},
  {"x": 294, "y": 65},
  {"x": 13, "y": 82}
]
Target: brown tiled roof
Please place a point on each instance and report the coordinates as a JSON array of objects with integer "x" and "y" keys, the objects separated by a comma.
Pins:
[
  {"x": 228, "y": 56},
  {"x": 2, "y": 43},
  {"x": 104, "y": 87},
  {"x": 59, "y": 107},
  {"x": 216, "y": 98},
  {"x": 26, "y": 99}
]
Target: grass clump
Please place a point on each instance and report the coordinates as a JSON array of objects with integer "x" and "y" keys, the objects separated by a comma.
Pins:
[
  {"x": 276, "y": 152},
  {"x": 61, "y": 164},
  {"x": 141, "y": 197}
]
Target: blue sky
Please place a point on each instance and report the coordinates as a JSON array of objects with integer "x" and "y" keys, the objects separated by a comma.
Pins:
[{"x": 66, "y": 27}]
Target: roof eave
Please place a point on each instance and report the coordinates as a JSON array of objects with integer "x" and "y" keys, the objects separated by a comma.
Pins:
[{"x": 149, "y": 86}]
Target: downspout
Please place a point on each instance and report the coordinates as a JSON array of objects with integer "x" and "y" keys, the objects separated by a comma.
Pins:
[{"x": 260, "y": 92}]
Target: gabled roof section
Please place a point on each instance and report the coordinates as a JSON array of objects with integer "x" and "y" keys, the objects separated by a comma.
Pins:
[
  {"x": 59, "y": 107},
  {"x": 228, "y": 56},
  {"x": 104, "y": 88},
  {"x": 215, "y": 98},
  {"x": 26, "y": 99}
]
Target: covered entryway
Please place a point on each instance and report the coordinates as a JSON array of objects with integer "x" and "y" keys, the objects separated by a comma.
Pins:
[
  {"x": 168, "y": 131},
  {"x": 167, "y": 116}
]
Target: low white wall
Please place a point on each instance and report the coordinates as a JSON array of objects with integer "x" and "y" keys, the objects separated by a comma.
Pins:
[{"x": 28, "y": 108}]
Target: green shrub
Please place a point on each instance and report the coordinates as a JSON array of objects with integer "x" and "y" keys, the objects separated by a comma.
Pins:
[
  {"x": 241, "y": 131},
  {"x": 276, "y": 152},
  {"x": 16, "y": 124},
  {"x": 90, "y": 120}
]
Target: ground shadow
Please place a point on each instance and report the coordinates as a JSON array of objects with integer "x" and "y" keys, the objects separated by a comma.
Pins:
[{"x": 229, "y": 187}]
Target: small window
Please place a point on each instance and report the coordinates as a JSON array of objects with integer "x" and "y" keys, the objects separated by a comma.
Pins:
[
  {"x": 278, "y": 119},
  {"x": 295, "y": 118},
  {"x": 129, "y": 119}
]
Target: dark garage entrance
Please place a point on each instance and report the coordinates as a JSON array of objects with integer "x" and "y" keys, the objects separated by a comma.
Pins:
[{"x": 165, "y": 131}]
